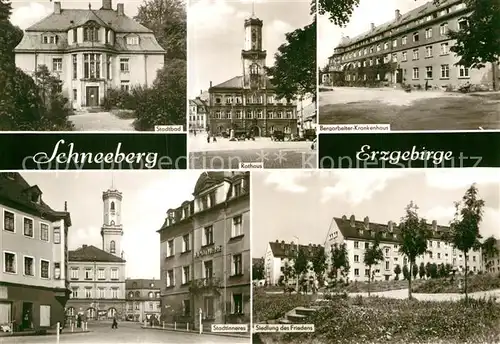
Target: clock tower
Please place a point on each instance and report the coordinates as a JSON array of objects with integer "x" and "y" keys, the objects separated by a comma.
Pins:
[
  {"x": 112, "y": 230},
  {"x": 252, "y": 56}
]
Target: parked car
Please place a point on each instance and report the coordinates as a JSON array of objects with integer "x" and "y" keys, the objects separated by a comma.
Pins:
[
  {"x": 309, "y": 134},
  {"x": 242, "y": 135},
  {"x": 278, "y": 136}
]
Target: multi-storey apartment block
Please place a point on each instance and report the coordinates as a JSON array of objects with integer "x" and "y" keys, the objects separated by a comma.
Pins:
[
  {"x": 249, "y": 102},
  {"x": 143, "y": 299},
  {"x": 92, "y": 51},
  {"x": 205, "y": 252},
  {"x": 198, "y": 113},
  {"x": 279, "y": 255},
  {"x": 359, "y": 235},
  {"x": 33, "y": 256},
  {"x": 98, "y": 275},
  {"x": 492, "y": 264},
  {"x": 413, "y": 49}
]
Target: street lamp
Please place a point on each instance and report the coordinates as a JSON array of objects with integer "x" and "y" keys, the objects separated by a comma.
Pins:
[{"x": 297, "y": 277}]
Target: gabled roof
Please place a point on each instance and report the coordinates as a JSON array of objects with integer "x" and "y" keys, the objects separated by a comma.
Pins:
[
  {"x": 70, "y": 18},
  {"x": 237, "y": 83},
  {"x": 133, "y": 283},
  {"x": 208, "y": 179},
  {"x": 93, "y": 254},
  {"x": 289, "y": 250},
  {"x": 15, "y": 192},
  {"x": 366, "y": 230},
  {"x": 407, "y": 17}
]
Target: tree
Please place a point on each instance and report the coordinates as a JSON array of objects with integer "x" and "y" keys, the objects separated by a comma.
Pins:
[
  {"x": 397, "y": 271},
  {"x": 294, "y": 71},
  {"x": 464, "y": 229},
  {"x": 442, "y": 271},
  {"x": 406, "y": 272},
  {"x": 339, "y": 260},
  {"x": 414, "y": 234},
  {"x": 319, "y": 264},
  {"x": 434, "y": 270},
  {"x": 300, "y": 264},
  {"x": 421, "y": 270},
  {"x": 288, "y": 272},
  {"x": 428, "y": 269},
  {"x": 258, "y": 269},
  {"x": 165, "y": 103},
  {"x": 414, "y": 271},
  {"x": 489, "y": 250},
  {"x": 167, "y": 19},
  {"x": 478, "y": 42},
  {"x": 373, "y": 255}
]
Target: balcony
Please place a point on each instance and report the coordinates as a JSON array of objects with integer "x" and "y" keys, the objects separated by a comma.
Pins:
[{"x": 203, "y": 285}]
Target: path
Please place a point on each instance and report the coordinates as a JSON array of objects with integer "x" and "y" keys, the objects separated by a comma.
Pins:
[{"x": 100, "y": 121}]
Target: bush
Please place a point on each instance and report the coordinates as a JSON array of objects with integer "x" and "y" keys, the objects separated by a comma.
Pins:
[
  {"x": 268, "y": 307},
  {"x": 480, "y": 282}
]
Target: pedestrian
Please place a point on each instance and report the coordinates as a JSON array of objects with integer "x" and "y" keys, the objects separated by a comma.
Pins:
[
  {"x": 426, "y": 85},
  {"x": 214, "y": 139},
  {"x": 79, "y": 321},
  {"x": 115, "y": 322},
  {"x": 208, "y": 138}
]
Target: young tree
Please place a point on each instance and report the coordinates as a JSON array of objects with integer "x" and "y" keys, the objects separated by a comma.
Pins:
[
  {"x": 464, "y": 229},
  {"x": 428, "y": 270},
  {"x": 489, "y": 250},
  {"x": 478, "y": 42},
  {"x": 288, "y": 272},
  {"x": 339, "y": 260},
  {"x": 300, "y": 264},
  {"x": 434, "y": 270},
  {"x": 319, "y": 264},
  {"x": 414, "y": 271},
  {"x": 294, "y": 71},
  {"x": 414, "y": 234},
  {"x": 373, "y": 255},
  {"x": 421, "y": 270},
  {"x": 406, "y": 272},
  {"x": 258, "y": 269},
  {"x": 441, "y": 271},
  {"x": 397, "y": 271}
]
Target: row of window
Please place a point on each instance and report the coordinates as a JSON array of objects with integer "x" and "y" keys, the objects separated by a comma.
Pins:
[
  {"x": 207, "y": 238},
  {"x": 29, "y": 266},
  {"x": 136, "y": 306},
  {"x": 9, "y": 225},
  {"x": 90, "y": 273},
  {"x": 196, "y": 118},
  {"x": 253, "y": 99},
  {"x": 91, "y": 66},
  {"x": 462, "y": 72},
  {"x": 208, "y": 311},
  {"x": 208, "y": 271},
  {"x": 249, "y": 114},
  {"x": 137, "y": 294},
  {"x": 420, "y": 21},
  {"x": 429, "y": 254},
  {"x": 388, "y": 269},
  {"x": 90, "y": 34},
  {"x": 100, "y": 293}
]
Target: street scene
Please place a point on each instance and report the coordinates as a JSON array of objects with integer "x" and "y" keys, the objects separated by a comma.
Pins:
[
  {"x": 92, "y": 269},
  {"x": 413, "y": 65},
  {"x": 406, "y": 256},
  {"x": 264, "y": 118},
  {"x": 97, "y": 66}
]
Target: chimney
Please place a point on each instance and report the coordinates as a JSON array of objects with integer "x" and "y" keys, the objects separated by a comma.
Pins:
[
  {"x": 367, "y": 222},
  {"x": 352, "y": 220},
  {"x": 120, "y": 9},
  {"x": 344, "y": 218},
  {"x": 57, "y": 7},
  {"x": 372, "y": 26},
  {"x": 434, "y": 225},
  {"x": 283, "y": 242},
  {"x": 65, "y": 205},
  {"x": 201, "y": 92},
  {"x": 390, "y": 226},
  {"x": 106, "y": 5},
  {"x": 277, "y": 240},
  {"x": 397, "y": 14},
  {"x": 210, "y": 83},
  {"x": 292, "y": 243},
  {"x": 84, "y": 246}
]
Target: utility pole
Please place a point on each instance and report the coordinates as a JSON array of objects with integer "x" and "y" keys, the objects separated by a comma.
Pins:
[{"x": 296, "y": 275}]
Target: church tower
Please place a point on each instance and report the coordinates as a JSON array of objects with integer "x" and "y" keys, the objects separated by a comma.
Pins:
[
  {"x": 252, "y": 56},
  {"x": 112, "y": 230}
]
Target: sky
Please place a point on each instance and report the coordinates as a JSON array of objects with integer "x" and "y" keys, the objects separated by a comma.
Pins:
[
  {"x": 216, "y": 35},
  {"x": 368, "y": 11},
  {"x": 147, "y": 195},
  {"x": 308, "y": 200},
  {"x": 27, "y": 13}
]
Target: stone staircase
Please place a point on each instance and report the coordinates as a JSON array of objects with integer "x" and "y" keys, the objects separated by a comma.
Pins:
[{"x": 298, "y": 315}]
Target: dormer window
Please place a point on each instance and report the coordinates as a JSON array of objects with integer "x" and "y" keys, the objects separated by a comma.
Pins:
[
  {"x": 35, "y": 197},
  {"x": 50, "y": 39},
  {"x": 132, "y": 40},
  {"x": 91, "y": 32}
]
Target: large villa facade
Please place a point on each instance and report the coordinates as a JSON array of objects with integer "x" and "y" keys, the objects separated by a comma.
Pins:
[
  {"x": 92, "y": 51},
  {"x": 414, "y": 48}
]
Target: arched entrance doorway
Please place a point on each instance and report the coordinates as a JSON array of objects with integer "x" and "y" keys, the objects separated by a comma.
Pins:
[
  {"x": 255, "y": 131},
  {"x": 91, "y": 313},
  {"x": 70, "y": 311},
  {"x": 111, "y": 312}
]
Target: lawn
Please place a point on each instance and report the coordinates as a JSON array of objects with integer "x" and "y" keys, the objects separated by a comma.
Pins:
[
  {"x": 377, "y": 286},
  {"x": 269, "y": 307},
  {"x": 378, "y": 320},
  {"x": 475, "y": 283}
]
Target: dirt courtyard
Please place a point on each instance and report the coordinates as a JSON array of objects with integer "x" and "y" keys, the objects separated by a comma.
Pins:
[{"x": 417, "y": 110}]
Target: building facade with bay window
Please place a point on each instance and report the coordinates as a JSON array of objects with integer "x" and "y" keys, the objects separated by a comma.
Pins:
[
  {"x": 205, "y": 250},
  {"x": 414, "y": 49},
  {"x": 33, "y": 255},
  {"x": 92, "y": 51}
]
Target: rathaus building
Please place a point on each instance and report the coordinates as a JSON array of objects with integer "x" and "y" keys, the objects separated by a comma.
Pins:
[
  {"x": 414, "y": 48},
  {"x": 249, "y": 102}
]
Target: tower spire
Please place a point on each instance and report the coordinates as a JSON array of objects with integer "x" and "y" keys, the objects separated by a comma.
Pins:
[{"x": 253, "y": 8}]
